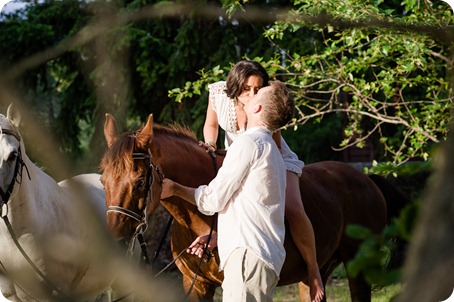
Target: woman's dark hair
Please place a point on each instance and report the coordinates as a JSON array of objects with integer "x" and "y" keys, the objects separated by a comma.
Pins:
[{"x": 240, "y": 72}]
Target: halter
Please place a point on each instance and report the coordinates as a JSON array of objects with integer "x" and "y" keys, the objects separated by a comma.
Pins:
[
  {"x": 17, "y": 171},
  {"x": 142, "y": 218}
]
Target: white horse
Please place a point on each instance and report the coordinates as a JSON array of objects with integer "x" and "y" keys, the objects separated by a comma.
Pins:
[{"x": 51, "y": 234}]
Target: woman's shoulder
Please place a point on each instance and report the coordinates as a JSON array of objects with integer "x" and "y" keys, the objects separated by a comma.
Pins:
[{"x": 218, "y": 87}]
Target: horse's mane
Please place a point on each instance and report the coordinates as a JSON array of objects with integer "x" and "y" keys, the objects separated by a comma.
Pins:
[
  {"x": 5, "y": 123},
  {"x": 175, "y": 130},
  {"x": 118, "y": 160}
]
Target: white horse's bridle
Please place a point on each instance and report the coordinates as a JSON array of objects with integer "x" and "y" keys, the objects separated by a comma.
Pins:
[{"x": 6, "y": 194}]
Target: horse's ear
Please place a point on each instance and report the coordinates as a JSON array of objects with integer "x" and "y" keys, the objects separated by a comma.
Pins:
[
  {"x": 13, "y": 115},
  {"x": 110, "y": 129},
  {"x": 146, "y": 135}
]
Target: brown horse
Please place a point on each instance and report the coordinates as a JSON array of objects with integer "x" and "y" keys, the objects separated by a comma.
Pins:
[{"x": 334, "y": 195}]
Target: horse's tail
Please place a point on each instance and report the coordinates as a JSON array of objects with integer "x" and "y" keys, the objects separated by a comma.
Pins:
[
  {"x": 395, "y": 202},
  {"x": 395, "y": 199}
]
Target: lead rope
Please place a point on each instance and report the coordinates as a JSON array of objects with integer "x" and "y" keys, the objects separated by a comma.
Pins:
[
  {"x": 36, "y": 269},
  {"x": 206, "y": 251},
  {"x": 163, "y": 238},
  {"x": 202, "y": 259}
]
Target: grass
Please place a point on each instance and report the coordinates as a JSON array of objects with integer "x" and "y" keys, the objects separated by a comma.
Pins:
[{"x": 336, "y": 291}]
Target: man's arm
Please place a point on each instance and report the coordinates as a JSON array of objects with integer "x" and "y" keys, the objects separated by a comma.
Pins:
[
  {"x": 171, "y": 188},
  {"x": 216, "y": 195}
]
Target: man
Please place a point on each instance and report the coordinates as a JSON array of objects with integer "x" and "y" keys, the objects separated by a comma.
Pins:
[{"x": 249, "y": 195}]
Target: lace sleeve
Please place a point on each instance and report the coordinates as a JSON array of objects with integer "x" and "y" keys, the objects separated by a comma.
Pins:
[
  {"x": 216, "y": 94},
  {"x": 291, "y": 160}
]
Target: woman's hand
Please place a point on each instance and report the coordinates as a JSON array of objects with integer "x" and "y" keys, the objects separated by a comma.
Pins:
[
  {"x": 209, "y": 147},
  {"x": 196, "y": 248}
]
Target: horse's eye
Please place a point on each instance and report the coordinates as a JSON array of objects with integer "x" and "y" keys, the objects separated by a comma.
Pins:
[
  {"x": 13, "y": 156},
  {"x": 139, "y": 183}
]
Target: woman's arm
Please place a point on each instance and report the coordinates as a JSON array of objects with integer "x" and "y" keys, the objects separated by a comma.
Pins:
[
  {"x": 277, "y": 138},
  {"x": 210, "y": 128}
]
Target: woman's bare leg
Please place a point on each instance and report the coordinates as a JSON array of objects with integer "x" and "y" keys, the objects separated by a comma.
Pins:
[{"x": 303, "y": 234}]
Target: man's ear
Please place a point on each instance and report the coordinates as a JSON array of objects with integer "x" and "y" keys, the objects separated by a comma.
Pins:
[{"x": 257, "y": 108}]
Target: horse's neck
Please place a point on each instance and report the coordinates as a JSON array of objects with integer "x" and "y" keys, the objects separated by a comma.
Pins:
[
  {"x": 190, "y": 166},
  {"x": 47, "y": 224},
  {"x": 38, "y": 197}
]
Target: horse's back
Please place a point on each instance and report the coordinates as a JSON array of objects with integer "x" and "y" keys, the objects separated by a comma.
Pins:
[
  {"x": 86, "y": 187},
  {"x": 336, "y": 189}
]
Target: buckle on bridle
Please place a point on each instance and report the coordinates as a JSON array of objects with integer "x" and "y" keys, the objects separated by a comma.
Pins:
[{"x": 4, "y": 210}]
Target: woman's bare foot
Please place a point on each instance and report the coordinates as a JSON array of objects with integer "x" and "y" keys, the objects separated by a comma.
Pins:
[{"x": 317, "y": 290}]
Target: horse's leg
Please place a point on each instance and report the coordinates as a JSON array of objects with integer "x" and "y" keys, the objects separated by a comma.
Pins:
[
  {"x": 8, "y": 290},
  {"x": 200, "y": 291},
  {"x": 360, "y": 290}
]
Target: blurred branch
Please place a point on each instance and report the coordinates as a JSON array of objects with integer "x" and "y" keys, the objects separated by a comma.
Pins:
[{"x": 110, "y": 19}]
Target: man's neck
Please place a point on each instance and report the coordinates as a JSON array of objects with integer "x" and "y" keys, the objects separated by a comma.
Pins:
[{"x": 254, "y": 123}]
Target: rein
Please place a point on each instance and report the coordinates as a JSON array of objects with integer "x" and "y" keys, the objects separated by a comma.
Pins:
[
  {"x": 206, "y": 251},
  {"x": 20, "y": 164},
  {"x": 169, "y": 223}
]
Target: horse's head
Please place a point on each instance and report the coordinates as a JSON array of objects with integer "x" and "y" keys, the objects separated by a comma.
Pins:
[
  {"x": 10, "y": 152},
  {"x": 131, "y": 179}
]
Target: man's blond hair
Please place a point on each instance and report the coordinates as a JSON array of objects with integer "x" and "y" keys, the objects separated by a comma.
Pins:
[{"x": 277, "y": 105}]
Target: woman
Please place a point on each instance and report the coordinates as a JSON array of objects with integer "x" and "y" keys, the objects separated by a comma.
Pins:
[{"x": 225, "y": 109}]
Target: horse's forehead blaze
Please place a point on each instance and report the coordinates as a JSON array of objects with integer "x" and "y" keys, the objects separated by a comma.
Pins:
[
  {"x": 6, "y": 170},
  {"x": 4, "y": 123},
  {"x": 7, "y": 147}
]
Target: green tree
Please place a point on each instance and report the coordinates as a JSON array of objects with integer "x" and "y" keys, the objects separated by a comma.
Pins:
[
  {"x": 380, "y": 69},
  {"x": 385, "y": 66},
  {"x": 120, "y": 57}
]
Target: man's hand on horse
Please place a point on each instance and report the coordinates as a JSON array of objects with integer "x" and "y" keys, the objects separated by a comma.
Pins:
[{"x": 168, "y": 188}]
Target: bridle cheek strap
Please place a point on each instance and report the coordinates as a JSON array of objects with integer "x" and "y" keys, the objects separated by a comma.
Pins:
[
  {"x": 17, "y": 172},
  {"x": 17, "y": 169}
]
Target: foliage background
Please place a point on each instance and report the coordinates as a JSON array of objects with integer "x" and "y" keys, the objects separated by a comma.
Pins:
[{"x": 362, "y": 72}]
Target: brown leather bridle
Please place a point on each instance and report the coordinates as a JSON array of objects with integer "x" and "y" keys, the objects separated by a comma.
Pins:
[{"x": 142, "y": 218}]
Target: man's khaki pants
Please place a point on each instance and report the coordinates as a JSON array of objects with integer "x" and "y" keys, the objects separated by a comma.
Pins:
[{"x": 247, "y": 278}]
